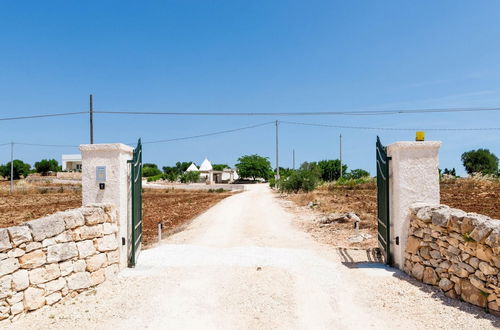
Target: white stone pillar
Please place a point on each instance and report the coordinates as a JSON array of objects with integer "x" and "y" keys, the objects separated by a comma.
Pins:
[
  {"x": 113, "y": 157},
  {"x": 414, "y": 177}
]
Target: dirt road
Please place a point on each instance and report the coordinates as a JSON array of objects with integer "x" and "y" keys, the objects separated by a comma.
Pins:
[{"x": 244, "y": 265}]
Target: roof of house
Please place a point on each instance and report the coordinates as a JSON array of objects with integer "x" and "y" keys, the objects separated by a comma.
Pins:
[
  {"x": 73, "y": 157},
  {"x": 192, "y": 168},
  {"x": 206, "y": 165}
]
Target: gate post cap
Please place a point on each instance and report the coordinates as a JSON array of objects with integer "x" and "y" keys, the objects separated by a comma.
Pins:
[{"x": 107, "y": 147}]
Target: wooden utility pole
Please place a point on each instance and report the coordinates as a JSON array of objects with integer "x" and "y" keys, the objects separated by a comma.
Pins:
[
  {"x": 11, "y": 167},
  {"x": 91, "y": 122},
  {"x": 277, "y": 152},
  {"x": 340, "y": 155}
]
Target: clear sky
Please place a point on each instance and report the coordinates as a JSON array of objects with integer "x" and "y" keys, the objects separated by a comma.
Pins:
[{"x": 247, "y": 56}]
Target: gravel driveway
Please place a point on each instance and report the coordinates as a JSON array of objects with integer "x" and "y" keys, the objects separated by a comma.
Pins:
[{"x": 244, "y": 265}]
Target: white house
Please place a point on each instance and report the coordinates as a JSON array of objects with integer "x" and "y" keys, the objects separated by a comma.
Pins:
[
  {"x": 210, "y": 176},
  {"x": 72, "y": 163}
]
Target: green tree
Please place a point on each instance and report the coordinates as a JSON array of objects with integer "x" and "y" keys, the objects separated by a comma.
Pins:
[
  {"x": 357, "y": 174},
  {"x": 191, "y": 176},
  {"x": 20, "y": 169},
  {"x": 301, "y": 180},
  {"x": 46, "y": 165},
  {"x": 480, "y": 161},
  {"x": 311, "y": 167},
  {"x": 149, "y": 169},
  {"x": 451, "y": 172},
  {"x": 254, "y": 166},
  {"x": 219, "y": 167},
  {"x": 330, "y": 169}
]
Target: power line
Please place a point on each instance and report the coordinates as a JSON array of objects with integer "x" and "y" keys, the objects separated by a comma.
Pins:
[
  {"x": 313, "y": 113},
  {"x": 209, "y": 134},
  {"x": 45, "y": 115},
  {"x": 391, "y": 128}
]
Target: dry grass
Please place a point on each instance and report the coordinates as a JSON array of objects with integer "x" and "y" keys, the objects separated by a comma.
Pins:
[{"x": 478, "y": 195}]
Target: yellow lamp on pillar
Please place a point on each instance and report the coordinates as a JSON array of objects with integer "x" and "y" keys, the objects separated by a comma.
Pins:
[{"x": 420, "y": 136}]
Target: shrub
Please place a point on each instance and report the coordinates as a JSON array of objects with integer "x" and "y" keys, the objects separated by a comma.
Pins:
[
  {"x": 301, "y": 180},
  {"x": 46, "y": 165},
  {"x": 20, "y": 169},
  {"x": 357, "y": 174},
  {"x": 219, "y": 167},
  {"x": 150, "y": 170},
  {"x": 190, "y": 177},
  {"x": 155, "y": 177},
  {"x": 480, "y": 161}
]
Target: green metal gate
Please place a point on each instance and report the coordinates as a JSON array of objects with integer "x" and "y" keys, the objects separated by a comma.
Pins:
[
  {"x": 136, "y": 192},
  {"x": 383, "y": 217}
]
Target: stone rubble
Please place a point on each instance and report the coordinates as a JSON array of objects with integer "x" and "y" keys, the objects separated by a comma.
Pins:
[
  {"x": 457, "y": 251},
  {"x": 47, "y": 259}
]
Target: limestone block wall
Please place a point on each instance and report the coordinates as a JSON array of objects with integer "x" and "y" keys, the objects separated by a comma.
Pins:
[
  {"x": 46, "y": 259},
  {"x": 457, "y": 251}
]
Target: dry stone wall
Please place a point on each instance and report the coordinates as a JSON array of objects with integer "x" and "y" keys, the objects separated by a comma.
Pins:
[
  {"x": 457, "y": 251},
  {"x": 44, "y": 260}
]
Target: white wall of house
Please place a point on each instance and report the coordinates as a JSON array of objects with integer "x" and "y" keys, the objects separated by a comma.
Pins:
[{"x": 72, "y": 162}]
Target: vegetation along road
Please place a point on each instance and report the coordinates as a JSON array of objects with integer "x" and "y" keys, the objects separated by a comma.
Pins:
[{"x": 244, "y": 264}]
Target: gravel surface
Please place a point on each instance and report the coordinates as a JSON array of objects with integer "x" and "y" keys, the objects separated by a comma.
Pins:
[{"x": 243, "y": 264}]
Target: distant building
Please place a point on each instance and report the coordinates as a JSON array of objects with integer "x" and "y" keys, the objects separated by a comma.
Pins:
[
  {"x": 211, "y": 176},
  {"x": 72, "y": 163}
]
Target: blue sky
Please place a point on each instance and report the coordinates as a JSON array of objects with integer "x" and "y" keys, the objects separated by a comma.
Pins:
[{"x": 246, "y": 56}]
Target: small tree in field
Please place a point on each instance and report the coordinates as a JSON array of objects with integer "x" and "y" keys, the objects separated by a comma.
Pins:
[
  {"x": 189, "y": 177},
  {"x": 149, "y": 170},
  {"x": 480, "y": 161},
  {"x": 46, "y": 165},
  {"x": 20, "y": 169},
  {"x": 254, "y": 166},
  {"x": 358, "y": 174}
]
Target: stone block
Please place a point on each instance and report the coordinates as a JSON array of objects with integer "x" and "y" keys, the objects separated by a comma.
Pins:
[
  {"x": 493, "y": 240},
  {"x": 85, "y": 248},
  {"x": 5, "y": 286},
  {"x": 474, "y": 262},
  {"x": 484, "y": 253},
  {"x": 19, "y": 234},
  {"x": 48, "y": 241},
  {"x": 107, "y": 243},
  {"x": 53, "y": 298},
  {"x": 97, "y": 277},
  {"x": 15, "y": 253},
  {"x": 430, "y": 276},
  {"x": 32, "y": 246},
  {"x": 113, "y": 257},
  {"x": 47, "y": 227},
  {"x": 95, "y": 262},
  {"x": 73, "y": 219},
  {"x": 472, "y": 294},
  {"x": 5, "y": 243},
  {"x": 66, "y": 267},
  {"x": 412, "y": 244},
  {"x": 44, "y": 274},
  {"x": 418, "y": 271},
  {"x": 79, "y": 266},
  {"x": 486, "y": 269},
  {"x": 79, "y": 280},
  {"x": 4, "y": 310},
  {"x": 63, "y": 237},
  {"x": 17, "y": 308},
  {"x": 93, "y": 215},
  {"x": 88, "y": 232},
  {"x": 20, "y": 280},
  {"x": 440, "y": 217},
  {"x": 482, "y": 230},
  {"x": 445, "y": 284},
  {"x": 34, "y": 298},
  {"x": 8, "y": 266},
  {"x": 15, "y": 298},
  {"x": 55, "y": 285},
  {"x": 62, "y": 251},
  {"x": 111, "y": 271}
]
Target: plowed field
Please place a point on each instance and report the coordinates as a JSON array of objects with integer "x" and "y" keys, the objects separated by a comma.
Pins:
[{"x": 173, "y": 208}]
